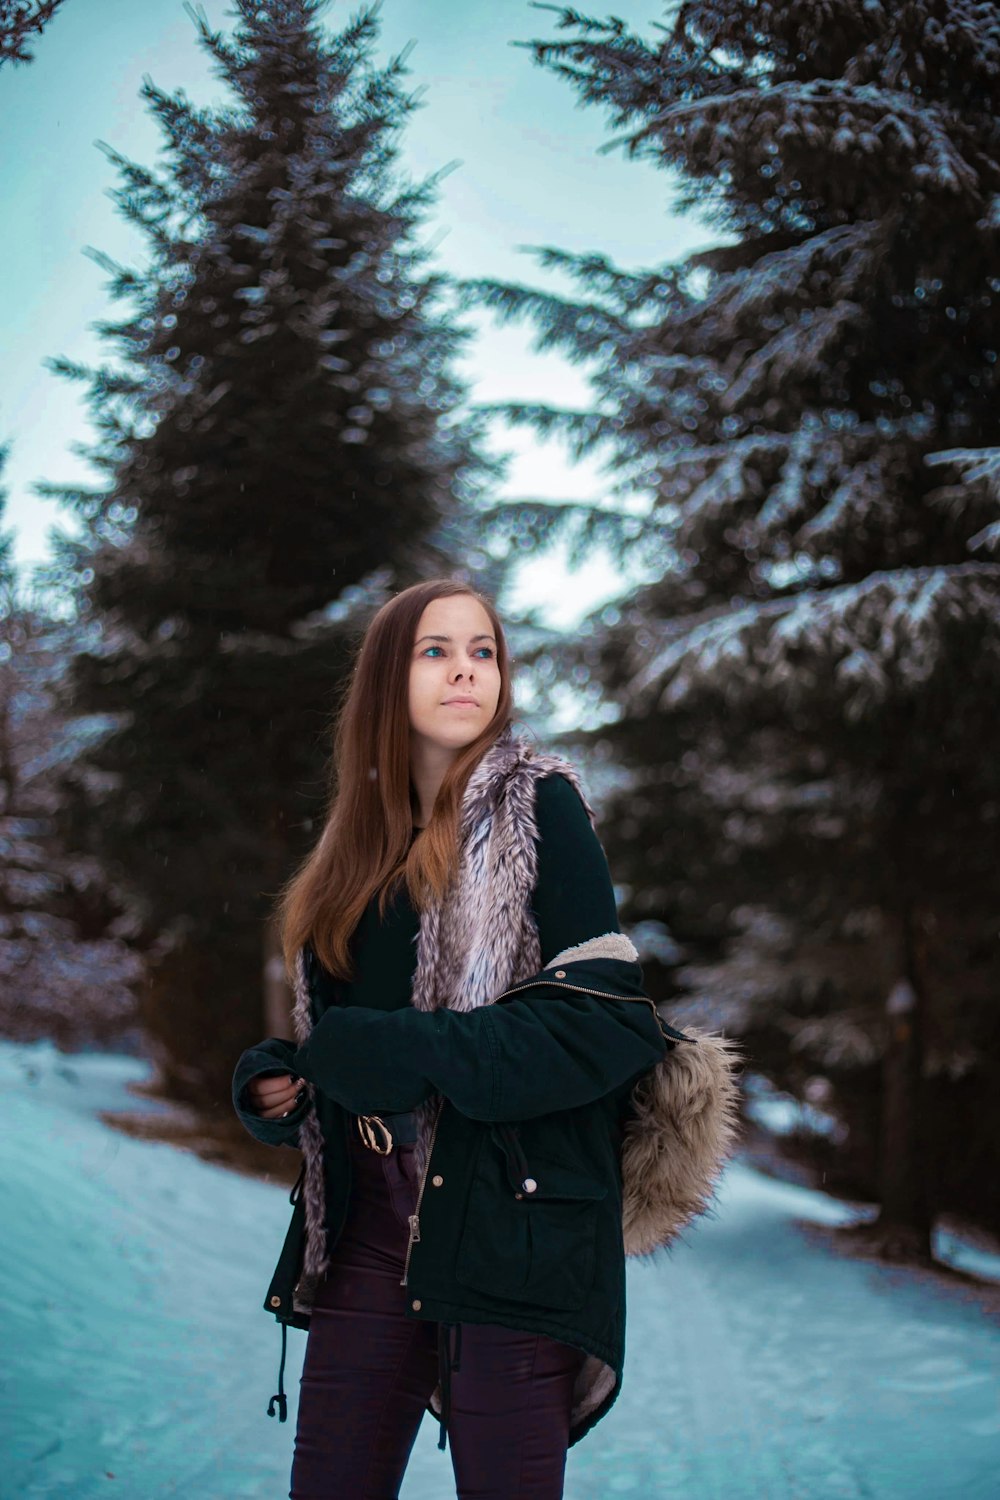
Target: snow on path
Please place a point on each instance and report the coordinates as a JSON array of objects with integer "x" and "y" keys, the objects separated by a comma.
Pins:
[{"x": 759, "y": 1366}]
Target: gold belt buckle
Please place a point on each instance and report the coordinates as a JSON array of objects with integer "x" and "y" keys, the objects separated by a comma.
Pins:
[{"x": 366, "y": 1130}]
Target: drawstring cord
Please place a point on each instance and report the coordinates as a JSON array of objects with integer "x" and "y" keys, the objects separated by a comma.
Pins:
[
  {"x": 446, "y": 1365},
  {"x": 280, "y": 1396}
]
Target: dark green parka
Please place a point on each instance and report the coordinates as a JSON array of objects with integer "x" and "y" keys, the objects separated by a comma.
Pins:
[{"x": 535, "y": 1085}]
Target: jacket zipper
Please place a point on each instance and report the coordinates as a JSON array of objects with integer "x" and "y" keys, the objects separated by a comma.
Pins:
[
  {"x": 414, "y": 1218},
  {"x": 582, "y": 990}
]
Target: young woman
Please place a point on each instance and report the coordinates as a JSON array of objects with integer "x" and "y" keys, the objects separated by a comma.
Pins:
[{"x": 479, "y": 1086}]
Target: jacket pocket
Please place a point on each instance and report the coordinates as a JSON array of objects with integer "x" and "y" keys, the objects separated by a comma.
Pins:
[{"x": 529, "y": 1244}]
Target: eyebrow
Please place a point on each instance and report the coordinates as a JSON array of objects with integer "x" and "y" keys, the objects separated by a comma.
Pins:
[{"x": 448, "y": 638}]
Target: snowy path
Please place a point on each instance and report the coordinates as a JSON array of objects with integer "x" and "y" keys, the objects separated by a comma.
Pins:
[
  {"x": 761, "y": 1367},
  {"x": 138, "y": 1360}
]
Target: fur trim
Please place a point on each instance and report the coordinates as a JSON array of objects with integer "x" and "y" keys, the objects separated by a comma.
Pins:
[
  {"x": 594, "y": 1382},
  {"x": 316, "y": 1260},
  {"x": 682, "y": 1130},
  {"x": 608, "y": 945}
]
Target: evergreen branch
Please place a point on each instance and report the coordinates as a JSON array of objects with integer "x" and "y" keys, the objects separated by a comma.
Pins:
[
  {"x": 883, "y": 636},
  {"x": 986, "y": 540},
  {"x": 868, "y": 118},
  {"x": 631, "y": 290},
  {"x": 792, "y": 354},
  {"x": 581, "y": 329},
  {"x": 745, "y": 252},
  {"x": 69, "y": 368},
  {"x": 608, "y": 65},
  {"x": 20, "y": 21},
  {"x": 582, "y": 525},
  {"x": 546, "y": 419},
  {"x": 973, "y": 463},
  {"x": 845, "y": 256}
]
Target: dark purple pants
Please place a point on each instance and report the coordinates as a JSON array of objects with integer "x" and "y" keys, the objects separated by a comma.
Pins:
[{"x": 369, "y": 1371}]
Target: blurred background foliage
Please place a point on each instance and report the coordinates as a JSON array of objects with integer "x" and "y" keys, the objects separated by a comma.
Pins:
[{"x": 787, "y": 714}]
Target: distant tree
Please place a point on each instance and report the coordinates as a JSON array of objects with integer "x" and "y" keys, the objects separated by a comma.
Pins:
[
  {"x": 803, "y": 686},
  {"x": 20, "y": 22},
  {"x": 67, "y": 969},
  {"x": 279, "y": 446}
]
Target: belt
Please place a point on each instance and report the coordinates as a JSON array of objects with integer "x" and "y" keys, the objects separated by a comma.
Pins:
[{"x": 381, "y": 1132}]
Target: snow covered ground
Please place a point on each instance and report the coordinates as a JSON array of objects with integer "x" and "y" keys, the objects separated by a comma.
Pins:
[{"x": 138, "y": 1361}]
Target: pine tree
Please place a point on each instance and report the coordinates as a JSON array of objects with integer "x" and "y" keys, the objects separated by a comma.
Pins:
[
  {"x": 67, "y": 969},
  {"x": 279, "y": 446},
  {"x": 803, "y": 686},
  {"x": 21, "y": 21}
]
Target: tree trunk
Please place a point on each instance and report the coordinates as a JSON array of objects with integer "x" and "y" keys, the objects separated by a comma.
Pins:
[
  {"x": 903, "y": 1228},
  {"x": 277, "y": 994}
]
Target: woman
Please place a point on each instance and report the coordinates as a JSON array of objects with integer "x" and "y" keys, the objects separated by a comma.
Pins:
[{"x": 471, "y": 1029}]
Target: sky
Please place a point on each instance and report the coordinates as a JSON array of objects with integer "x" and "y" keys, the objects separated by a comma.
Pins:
[{"x": 525, "y": 170}]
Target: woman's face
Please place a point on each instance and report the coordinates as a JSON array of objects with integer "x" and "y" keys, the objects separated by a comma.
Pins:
[{"x": 454, "y": 676}]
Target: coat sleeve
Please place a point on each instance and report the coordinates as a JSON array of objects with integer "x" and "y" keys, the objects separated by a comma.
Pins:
[
  {"x": 551, "y": 1050},
  {"x": 270, "y": 1056}
]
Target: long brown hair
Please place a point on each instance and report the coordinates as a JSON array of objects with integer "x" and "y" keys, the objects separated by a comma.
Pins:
[{"x": 365, "y": 846}]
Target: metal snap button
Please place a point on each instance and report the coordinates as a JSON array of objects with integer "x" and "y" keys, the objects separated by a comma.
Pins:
[
  {"x": 416, "y": 1304},
  {"x": 275, "y": 1301},
  {"x": 560, "y": 973},
  {"x": 529, "y": 1184},
  {"x": 518, "y": 1195},
  {"x": 437, "y": 1181}
]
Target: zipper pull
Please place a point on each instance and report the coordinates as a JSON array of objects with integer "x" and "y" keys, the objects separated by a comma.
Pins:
[{"x": 414, "y": 1222}]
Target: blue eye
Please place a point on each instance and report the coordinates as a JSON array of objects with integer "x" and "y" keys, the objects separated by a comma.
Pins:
[{"x": 488, "y": 650}]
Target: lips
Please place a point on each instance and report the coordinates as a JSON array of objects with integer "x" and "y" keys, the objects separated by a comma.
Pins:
[{"x": 460, "y": 703}]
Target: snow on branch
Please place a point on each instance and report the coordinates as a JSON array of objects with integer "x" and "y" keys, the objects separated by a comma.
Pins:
[
  {"x": 794, "y": 353},
  {"x": 972, "y": 463},
  {"x": 844, "y": 254},
  {"x": 976, "y": 466},
  {"x": 860, "y": 118},
  {"x": 882, "y": 638},
  {"x": 864, "y": 493}
]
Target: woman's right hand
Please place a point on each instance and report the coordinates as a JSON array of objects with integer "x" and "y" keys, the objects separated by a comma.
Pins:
[{"x": 272, "y": 1097}]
